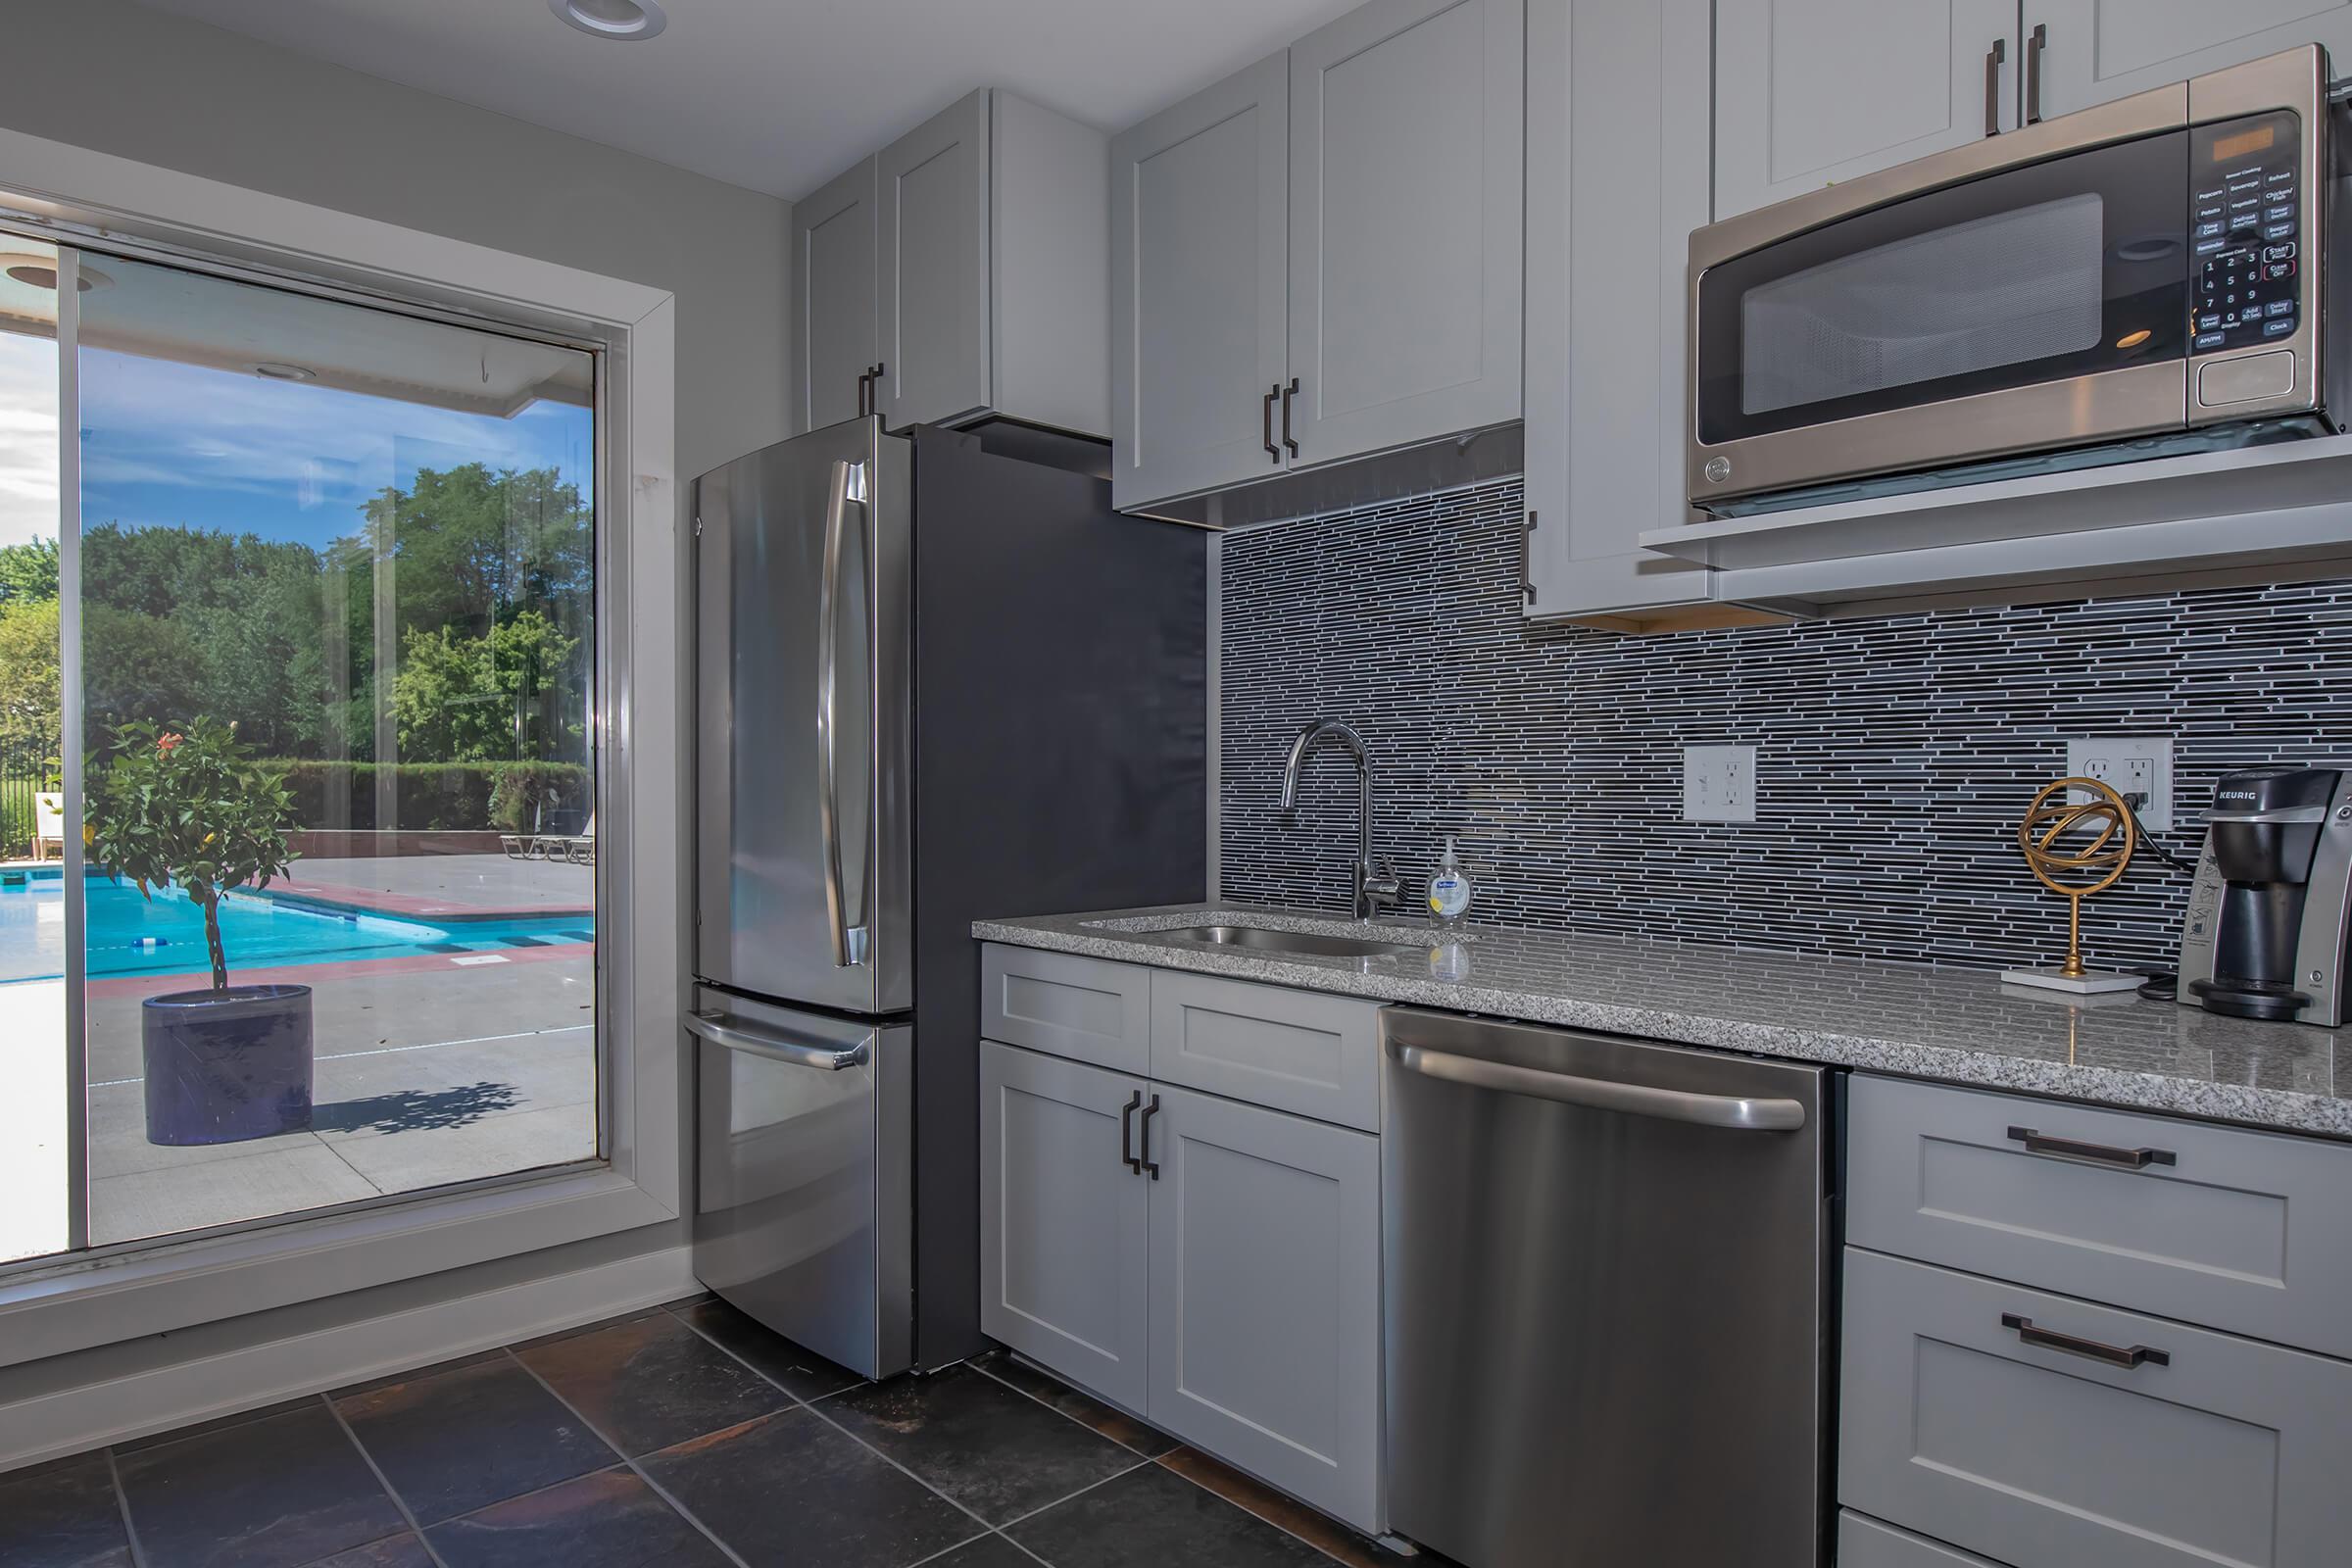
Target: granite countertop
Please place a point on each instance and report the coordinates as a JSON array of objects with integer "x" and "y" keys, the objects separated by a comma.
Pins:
[{"x": 1958, "y": 1026}]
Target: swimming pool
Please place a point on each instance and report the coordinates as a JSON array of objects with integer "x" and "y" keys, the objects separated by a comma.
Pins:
[{"x": 131, "y": 934}]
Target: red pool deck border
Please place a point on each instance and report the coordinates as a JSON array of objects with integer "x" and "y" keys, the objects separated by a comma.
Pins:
[
  {"x": 299, "y": 974},
  {"x": 340, "y": 898}
]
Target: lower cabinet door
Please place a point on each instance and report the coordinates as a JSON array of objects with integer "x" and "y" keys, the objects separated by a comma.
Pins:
[
  {"x": 1064, "y": 1219},
  {"x": 1265, "y": 1295},
  {"x": 2044, "y": 1432}
]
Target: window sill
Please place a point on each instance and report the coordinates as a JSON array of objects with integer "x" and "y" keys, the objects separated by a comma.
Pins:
[{"x": 80, "y": 1303}]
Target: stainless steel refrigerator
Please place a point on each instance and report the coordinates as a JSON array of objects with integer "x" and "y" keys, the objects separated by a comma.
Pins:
[{"x": 935, "y": 681}]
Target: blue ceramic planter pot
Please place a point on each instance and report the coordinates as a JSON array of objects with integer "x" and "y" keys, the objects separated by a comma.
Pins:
[{"x": 226, "y": 1065}]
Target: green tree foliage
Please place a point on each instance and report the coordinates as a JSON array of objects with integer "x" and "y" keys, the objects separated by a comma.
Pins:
[
  {"x": 489, "y": 576},
  {"x": 27, "y": 572},
  {"x": 463, "y": 699},
  {"x": 190, "y": 808},
  {"x": 29, "y": 715}
]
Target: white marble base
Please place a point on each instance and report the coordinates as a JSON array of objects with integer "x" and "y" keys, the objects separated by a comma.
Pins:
[{"x": 2088, "y": 985}]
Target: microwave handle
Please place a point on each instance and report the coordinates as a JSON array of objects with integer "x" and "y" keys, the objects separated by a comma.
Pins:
[
  {"x": 1994, "y": 58},
  {"x": 2034, "y": 46}
]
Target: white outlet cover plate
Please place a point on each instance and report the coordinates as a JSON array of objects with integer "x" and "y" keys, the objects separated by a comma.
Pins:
[
  {"x": 1719, "y": 783},
  {"x": 2109, "y": 757}
]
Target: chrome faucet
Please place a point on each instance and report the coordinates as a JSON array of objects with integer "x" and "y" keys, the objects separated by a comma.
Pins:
[{"x": 1376, "y": 886}]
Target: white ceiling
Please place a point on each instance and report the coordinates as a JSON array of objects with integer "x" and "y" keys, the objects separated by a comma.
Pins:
[{"x": 780, "y": 95}]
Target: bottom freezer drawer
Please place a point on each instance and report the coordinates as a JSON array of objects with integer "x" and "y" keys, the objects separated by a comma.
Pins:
[
  {"x": 803, "y": 1216},
  {"x": 2045, "y": 1432}
]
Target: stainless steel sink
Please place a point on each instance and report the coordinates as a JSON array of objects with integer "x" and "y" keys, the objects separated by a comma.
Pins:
[{"x": 1262, "y": 939}]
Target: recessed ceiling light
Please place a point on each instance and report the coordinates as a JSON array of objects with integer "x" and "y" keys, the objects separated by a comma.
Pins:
[
  {"x": 41, "y": 271},
  {"x": 623, "y": 20},
  {"x": 277, "y": 372}
]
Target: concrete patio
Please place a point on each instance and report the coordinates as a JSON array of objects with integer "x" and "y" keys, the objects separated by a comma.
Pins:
[{"x": 430, "y": 1067}]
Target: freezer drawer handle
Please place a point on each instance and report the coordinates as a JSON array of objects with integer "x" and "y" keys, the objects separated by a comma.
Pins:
[
  {"x": 777, "y": 1046},
  {"x": 848, "y": 487},
  {"x": 2096, "y": 1154},
  {"x": 2124, "y": 1356},
  {"x": 1732, "y": 1111}
]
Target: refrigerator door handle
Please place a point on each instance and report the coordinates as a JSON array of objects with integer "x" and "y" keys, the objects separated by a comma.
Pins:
[
  {"x": 846, "y": 488},
  {"x": 1739, "y": 1114},
  {"x": 776, "y": 1045}
]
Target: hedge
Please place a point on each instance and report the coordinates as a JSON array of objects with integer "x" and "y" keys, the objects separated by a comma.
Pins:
[{"x": 459, "y": 796}]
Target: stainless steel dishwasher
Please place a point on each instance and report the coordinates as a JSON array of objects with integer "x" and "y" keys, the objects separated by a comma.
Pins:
[{"x": 1607, "y": 1280}]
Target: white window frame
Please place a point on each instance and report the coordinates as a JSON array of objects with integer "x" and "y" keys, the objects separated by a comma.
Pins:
[{"x": 85, "y": 198}]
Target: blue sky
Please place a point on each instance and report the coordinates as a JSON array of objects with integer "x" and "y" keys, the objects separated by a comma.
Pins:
[{"x": 166, "y": 443}]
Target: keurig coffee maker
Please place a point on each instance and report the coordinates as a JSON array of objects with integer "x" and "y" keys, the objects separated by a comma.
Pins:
[{"x": 2266, "y": 919}]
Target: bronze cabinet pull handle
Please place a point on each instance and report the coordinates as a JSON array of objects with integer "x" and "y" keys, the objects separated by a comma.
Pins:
[
  {"x": 1994, "y": 59},
  {"x": 2034, "y": 45},
  {"x": 1146, "y": 1162},
  {"x": 1266, "y": 422},
  {"x": 2096, "y": 1154},
  {"x": 2126, "y": 1356},
  {"x": 1289, "y": 393},
  {"x": 1127, "y": 1133}
]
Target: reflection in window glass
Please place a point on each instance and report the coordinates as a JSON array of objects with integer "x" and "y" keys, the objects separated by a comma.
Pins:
[
  {"x": 338, "y": 598},
  {"x": 34, "y": 1170}
]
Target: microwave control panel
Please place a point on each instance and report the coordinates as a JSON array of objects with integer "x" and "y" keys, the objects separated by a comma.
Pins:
[{"x": 2246, "y": 248}]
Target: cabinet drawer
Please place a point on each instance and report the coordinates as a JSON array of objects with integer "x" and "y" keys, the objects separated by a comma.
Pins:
[
  {"x": 2242, "y": 1231},
  {"x": 1866, "y": 1542},
  {"x": 1296, "y": 1051},
  {"x": 1089, "y": 1009},
  {"x": 2229, "y": 1451}
]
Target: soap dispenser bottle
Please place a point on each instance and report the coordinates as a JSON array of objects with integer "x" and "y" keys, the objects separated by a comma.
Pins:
[{"x": 1449, "y": 889}]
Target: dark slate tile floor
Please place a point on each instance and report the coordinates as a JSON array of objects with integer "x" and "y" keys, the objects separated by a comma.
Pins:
[{"x": 685, "y": 1436}]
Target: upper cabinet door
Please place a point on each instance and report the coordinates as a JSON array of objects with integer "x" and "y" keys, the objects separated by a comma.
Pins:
[
  {"x": 833, "y": 296},
  {"x": 1809, "y": 92},
  {"x": 932, "y": 230},
  {"x": 1199, "y": 207},
  {"x": 1407, "y": 145},
  {"x": 2092, "y": 51}
]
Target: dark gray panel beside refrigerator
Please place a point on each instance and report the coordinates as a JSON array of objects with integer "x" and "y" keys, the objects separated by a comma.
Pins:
[{"x": 1062, "y": 747}]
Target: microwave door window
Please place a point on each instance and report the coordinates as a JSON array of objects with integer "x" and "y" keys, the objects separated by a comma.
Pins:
[
  {"x": 2001, "y": 290},
  {"x": 2039, "y": 273}
]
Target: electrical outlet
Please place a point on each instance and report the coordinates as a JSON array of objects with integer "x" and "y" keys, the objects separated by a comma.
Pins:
[
  {"x": 1719, "y": 783},
  {"x": 2128, "y": 764}
]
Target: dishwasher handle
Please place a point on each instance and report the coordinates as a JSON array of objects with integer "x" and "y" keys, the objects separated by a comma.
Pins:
[
  {"x": 776, "y": 1045},
  {"x": 1739, "y": 1114}
]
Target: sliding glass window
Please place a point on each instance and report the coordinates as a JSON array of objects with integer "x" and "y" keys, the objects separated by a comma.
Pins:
[{"x": 321, "y": 883}]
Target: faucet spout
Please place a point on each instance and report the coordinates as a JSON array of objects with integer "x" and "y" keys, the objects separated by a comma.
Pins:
[{"x": 1372, "y": 888}]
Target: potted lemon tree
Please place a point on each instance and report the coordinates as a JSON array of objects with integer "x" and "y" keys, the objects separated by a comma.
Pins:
[{"x": 188, "y": 809}]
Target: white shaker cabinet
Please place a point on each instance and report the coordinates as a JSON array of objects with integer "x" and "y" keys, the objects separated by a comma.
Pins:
[
  {"x": 1616, "y": 179},
  {"x": 833, "y": 297},
  {"x": 1199, "y": 270},
  {"x": 1407, "y": 139},
  {"x": 931, "y": 265},
  {"x": 1320, "y": 257},
  {"x": 1809, "y": 92},
  {"x": 2086, "y": 52},
  {"x": 985, "y": 284},
  {"x": 1265, "y": 1294},
  {"x": 1064, "y": 1220}
]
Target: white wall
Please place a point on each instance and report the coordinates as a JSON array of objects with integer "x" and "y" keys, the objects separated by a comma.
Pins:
[
  {"x": 139, "y": 83},
  {"x": 117, "y": 78}
]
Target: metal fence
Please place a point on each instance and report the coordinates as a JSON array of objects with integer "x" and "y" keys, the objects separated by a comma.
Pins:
[{"x": 22, "y": 777}]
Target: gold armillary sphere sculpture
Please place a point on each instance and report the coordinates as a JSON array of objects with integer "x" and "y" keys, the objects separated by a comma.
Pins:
[{"x": 2077, "y": 848}]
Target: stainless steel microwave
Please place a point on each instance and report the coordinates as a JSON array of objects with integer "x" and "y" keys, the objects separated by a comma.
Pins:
[{"x": 2143, "y": 276}]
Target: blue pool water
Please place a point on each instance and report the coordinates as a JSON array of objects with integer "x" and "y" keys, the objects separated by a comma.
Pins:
[{"x": 131, "y": 934}]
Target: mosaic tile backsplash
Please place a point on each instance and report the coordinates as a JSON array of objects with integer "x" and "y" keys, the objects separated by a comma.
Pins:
[{"x": 1892, "y": 756}]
